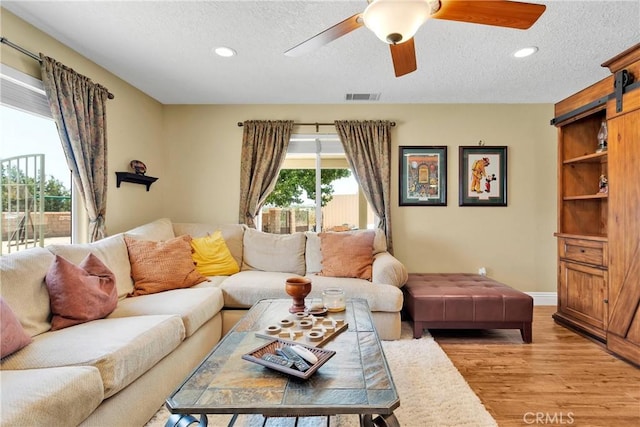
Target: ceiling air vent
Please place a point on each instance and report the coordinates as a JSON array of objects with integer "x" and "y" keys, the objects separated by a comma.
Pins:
[{"x": 362, "y": 96}]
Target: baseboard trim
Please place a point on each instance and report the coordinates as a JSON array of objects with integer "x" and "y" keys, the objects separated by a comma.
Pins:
[{"x": 544, "y": 298}]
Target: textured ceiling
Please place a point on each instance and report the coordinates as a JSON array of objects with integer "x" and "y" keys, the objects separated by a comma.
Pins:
[{"x": 164, "y": 49}]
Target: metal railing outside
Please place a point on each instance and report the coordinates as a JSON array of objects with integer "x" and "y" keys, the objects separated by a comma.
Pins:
[{"x": 22, "y": 200}]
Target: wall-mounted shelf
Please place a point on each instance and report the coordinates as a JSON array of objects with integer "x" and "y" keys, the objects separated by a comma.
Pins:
[{"x": 135, "y": 179}]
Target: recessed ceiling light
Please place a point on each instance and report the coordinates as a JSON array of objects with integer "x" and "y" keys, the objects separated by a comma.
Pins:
[
  {"x": 224, "y": 51},
  {"x": 524, "y": 52}
]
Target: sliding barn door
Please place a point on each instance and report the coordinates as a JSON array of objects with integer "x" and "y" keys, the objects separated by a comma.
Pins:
[{"x": 623, "y": 335}]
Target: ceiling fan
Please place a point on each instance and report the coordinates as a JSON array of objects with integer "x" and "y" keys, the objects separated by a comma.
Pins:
[{"x": 396, "y": 21}]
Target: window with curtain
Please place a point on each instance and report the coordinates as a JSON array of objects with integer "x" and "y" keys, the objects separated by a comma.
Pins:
[
  {"x": 316, "y": 190},
  {"x": 38, "y": 206}
]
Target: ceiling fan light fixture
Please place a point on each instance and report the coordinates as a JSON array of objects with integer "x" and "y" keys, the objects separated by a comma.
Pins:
[{"x": 396, "y": 21}]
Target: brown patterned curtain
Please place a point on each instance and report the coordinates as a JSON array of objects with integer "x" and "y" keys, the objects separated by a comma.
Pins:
[
  {"x": 367, "y": 145},
  {"x": 79, "y": 109},
  {"x": 264, "y": 147}
]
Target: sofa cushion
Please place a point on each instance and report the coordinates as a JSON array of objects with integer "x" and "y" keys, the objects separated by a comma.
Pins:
[
  {"x": 52, "y": 397},
  {"x": 112, "y": 251},
  {"x": 24, "y": 289},
  {"x": 80, "y": 293},
  {"x": 194, "y": 306},
  {"x": 158, "y": 230},
  {"x": 212, "y": 256},
  {"x": 121, "y": 349},
  {"x": 161, "y": 266},
  {"x": 244, "y": 289},
  {"x": 232, "y": 234},
  {"x": 313, "y": 256},
  {"x": 274, "y": 252},
  {"x": 347, "y": 255},
  {"x": 388, "y": 270},
  {"x": 12, "y": 335}
]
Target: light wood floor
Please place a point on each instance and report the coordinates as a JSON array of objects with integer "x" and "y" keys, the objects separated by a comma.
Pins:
[{"x": 560, "y": 379}]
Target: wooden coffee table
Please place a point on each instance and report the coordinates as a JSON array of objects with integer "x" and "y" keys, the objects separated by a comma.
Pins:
[{"x": 356, "y": 380}]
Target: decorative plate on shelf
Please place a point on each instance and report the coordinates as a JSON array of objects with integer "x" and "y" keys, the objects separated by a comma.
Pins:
[{"x": 138, "y": 167}]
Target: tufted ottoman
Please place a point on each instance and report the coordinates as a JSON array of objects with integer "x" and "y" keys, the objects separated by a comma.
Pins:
[{"x": 466, "y": 301}]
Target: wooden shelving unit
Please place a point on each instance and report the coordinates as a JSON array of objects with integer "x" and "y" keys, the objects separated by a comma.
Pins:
[{"x": 599, "y": 232}]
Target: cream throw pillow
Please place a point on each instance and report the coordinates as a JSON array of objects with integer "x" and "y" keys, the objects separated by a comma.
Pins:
[{"x": 282, "y": 253}]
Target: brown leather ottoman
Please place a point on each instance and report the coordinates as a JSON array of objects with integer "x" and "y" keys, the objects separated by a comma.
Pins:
[{"x": 466, "y": 301}]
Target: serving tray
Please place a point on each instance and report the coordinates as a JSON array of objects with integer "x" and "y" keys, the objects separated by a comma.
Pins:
[{"x": 255, "y": 356}]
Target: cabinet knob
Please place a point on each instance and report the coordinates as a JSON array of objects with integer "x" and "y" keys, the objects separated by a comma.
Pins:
[
  {"x": 582, "y": 251},
  {"x": 606, "y": 301}
]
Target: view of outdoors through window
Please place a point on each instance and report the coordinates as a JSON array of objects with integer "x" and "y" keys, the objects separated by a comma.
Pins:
[
  {"x": 293, "y": 204},
  {"x": 35, "y": 182}
]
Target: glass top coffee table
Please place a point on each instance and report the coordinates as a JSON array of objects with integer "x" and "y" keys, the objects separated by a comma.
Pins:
[{"x": 356, "y": 380}]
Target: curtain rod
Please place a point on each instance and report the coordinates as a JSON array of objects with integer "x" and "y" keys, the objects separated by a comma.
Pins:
[
  {"x": 32, "y": 55},
  {"x": 240, "y": 124}
]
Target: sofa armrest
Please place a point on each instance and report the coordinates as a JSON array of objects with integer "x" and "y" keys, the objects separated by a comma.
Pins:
[{"x": 388, "y": 270}]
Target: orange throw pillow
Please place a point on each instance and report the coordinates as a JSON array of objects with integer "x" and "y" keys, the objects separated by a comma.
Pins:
[
  {"x": 12, "y": 336},
  {"x": 162, "y": 266},
  {"x": 347, "y": 254},
  {"x": 80, "y": 293}
]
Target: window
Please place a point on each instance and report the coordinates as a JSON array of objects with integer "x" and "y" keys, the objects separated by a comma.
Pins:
[
  {"x": 307, "y": 200},
  {"x": 36, "y": 190}
]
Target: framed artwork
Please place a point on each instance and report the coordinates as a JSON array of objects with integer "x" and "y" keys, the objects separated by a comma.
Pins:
[
  {"x": 423, "y": 176},
  {"x": 483, "y": 176}
]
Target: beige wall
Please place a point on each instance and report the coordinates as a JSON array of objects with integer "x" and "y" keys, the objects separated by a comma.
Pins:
[
  {"x": 195, "y": 151},
  {"x": 134, "y": 122},
  {"x": 514, "y": 243}
]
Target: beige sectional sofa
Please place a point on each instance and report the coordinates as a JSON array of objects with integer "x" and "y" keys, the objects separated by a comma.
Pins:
[{"x": 118, "y": 370}]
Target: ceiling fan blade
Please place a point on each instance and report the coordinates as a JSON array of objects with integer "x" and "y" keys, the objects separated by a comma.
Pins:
[
  {"x": 404, "y": 57},
  {"x": 500, "y": 13},
  {"x": 327, "y": 36}
]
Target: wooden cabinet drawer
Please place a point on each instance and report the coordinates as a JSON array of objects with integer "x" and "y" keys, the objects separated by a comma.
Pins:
[{"x": 584, "y": 251}]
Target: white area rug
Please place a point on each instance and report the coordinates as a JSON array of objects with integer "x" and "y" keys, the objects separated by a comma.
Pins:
[{"x": 432, "y": 392}]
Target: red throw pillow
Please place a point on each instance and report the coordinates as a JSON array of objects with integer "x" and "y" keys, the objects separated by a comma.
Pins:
[
  {"x": 80, "y": 293},
  {"x": 12, "y": 336},
  {"x": 347, "y": 254}
]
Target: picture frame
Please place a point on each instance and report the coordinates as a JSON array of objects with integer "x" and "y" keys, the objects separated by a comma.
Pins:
[
  {"x": 423, "y": 176},
  {"x": 483, "y": 176}
]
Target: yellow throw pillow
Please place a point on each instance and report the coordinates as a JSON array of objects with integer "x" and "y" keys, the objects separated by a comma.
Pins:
[{"x": 212, "y": 256}]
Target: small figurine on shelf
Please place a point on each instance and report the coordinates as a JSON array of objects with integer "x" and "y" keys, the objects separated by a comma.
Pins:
[
  {"x": 602, "y": 138},
  {"x": 603, "y": 185}
]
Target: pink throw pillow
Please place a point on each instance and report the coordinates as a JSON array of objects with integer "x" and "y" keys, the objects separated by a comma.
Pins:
[
  {"x": 12, "y": 336},
  {"x": 80, "y": 293}
]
